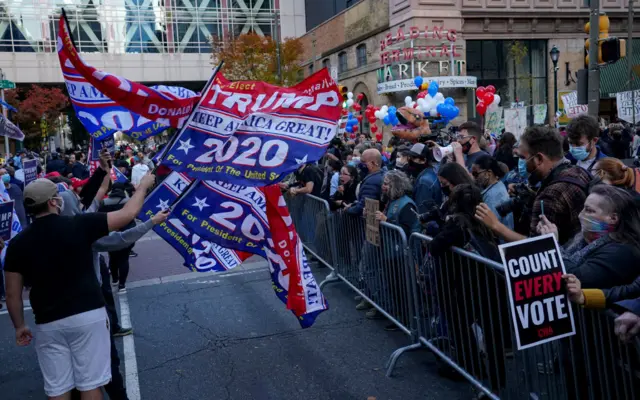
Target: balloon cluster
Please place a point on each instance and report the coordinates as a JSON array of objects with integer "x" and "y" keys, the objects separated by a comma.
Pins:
[
  {"x": 353, "y": 111},
  {"x": 487, "y": 99},
  {"x": 387, "y": 115},
  {"x": 352, "y": 123},
  {"x": 433, "y": 103},
  {"x": 371, "y": 113}
]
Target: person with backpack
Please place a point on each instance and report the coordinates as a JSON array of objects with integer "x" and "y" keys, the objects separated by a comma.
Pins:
[{"x": 563, "y": 188}]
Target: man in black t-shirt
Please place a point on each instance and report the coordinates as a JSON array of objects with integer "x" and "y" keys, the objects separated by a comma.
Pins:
[
  {"x": 54, "y": 257},
  {"x": 308, "y": 180}
]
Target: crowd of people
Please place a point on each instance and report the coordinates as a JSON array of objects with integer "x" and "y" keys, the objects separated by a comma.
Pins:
[
  {"x": 71, "y": 294},
  {"x": 578, "y": 183}
]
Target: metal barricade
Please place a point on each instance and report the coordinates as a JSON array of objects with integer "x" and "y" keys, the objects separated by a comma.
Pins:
[
  {"x": 454, "y": 303},
  {"x": 313, "y": 221}
]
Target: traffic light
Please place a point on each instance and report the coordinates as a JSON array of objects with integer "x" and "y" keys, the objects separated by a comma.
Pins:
[
  {"x": 609, "y": 49},
  {"x": 343, "y": 91}
]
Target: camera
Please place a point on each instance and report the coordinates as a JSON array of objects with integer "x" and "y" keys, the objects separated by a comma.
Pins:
[{"x": 522, "y": 199}]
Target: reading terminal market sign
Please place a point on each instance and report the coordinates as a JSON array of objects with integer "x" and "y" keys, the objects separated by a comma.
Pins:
[{"x": 431, "y": 54}]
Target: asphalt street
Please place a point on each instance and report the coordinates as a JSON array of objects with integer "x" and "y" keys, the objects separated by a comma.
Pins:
[{"x": 226, "y": 336}]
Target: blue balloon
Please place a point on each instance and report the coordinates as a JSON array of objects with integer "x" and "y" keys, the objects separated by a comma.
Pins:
[
  {"x": 392, "y": 110},
  {"x": 440, "y": 108},
  {"x": 449, "y": 101},
  {"x": 350, "y": 116},
  {"x": 456, "y": 112},
  {"x": 433, "y": 88},
  {"x": 352, "y": 122},
  {"x": 394, "y": 121},
  {"x": 418, "y": 81},
  {"x": 386, "y": 120},
  {"x": 349, "y": 129}
]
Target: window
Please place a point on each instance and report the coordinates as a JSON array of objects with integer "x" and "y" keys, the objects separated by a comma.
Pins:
[
  {"x": 361, "y": 55},
  {"x": 342, "y": 62},
  {"x": 517, "y": 68},
  {"x": 326, "y": 63},
  {"x": 311, "y": 69}
]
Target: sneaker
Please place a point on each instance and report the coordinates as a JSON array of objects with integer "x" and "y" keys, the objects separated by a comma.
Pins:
[
  {"x": 133, "y": 254},
  {"x": 123, "y": 332},
  {"x": 373, "y": 314},
  {"x": 391, "y": 328},
  {"x": 122, "y": 289},
  {"x": 114, "y": 282},
  {"x": 363, "y": 305},
  {"x": 358, "y": 298},
  {"x": 3, "y": 298}
]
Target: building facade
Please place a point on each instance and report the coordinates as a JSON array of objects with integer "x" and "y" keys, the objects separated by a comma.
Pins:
[
  {"x": 376, "y": 48},
  {"x": 143, "y": 40}
]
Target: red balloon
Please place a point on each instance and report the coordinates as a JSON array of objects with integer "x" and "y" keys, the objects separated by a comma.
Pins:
[
  {"x": 372, "y": 120},
  {"x": 481, "y": 108},
  {"x": 374, "y": 128},
  {"x": 352, "y": 136},
  {"x": 357, "y": 107},
  {"x": 359, "y": 117},
  {"x": 355, "y": 128},
  {"x": 488, "y": 98},
  {"x": 422, "y": 95},
  {"x": 480, "y": 91},
  {"x": 343, "y": 111},
  {"x": 379, "y": 137},
  {"x": 360, "y": 96},
  {"x": 491, "y": 89}
]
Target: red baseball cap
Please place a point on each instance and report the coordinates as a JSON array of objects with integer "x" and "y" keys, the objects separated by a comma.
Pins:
[{"x": 76, "y": 183}]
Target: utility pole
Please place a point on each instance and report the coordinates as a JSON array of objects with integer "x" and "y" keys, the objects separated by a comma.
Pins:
[
  {"x": 4, "y": 113},
  {"x": 594, "y": 71},
  {"x": 630, "y": 57},
  {"x": 278, "y": 52}
]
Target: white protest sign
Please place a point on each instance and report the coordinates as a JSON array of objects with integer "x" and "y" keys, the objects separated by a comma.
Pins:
[
  {"x": 515, "y": 121},
  {"x": 628, "y": 106},
  {"x": 571, "y": 106},
  {"x": 539, "y": 305}
]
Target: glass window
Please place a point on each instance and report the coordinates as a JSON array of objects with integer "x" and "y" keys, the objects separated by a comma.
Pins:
[
  {"x": 361, "y": 55},
  {"x": 310, "y": 69},
  {"x": 326, "y": 63},
  {"x": 342, "y": 62}
]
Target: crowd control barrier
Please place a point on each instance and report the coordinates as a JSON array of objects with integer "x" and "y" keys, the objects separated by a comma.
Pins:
[{"x": 454, "y": 303}]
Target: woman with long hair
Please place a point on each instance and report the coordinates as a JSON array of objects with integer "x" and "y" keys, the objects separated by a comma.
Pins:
[
  {"x": 488, "y": 174},
  {"x": 613, "y": 172},
  {"x": 504, "y": 152},
  {"x": 346, "y": 192}
]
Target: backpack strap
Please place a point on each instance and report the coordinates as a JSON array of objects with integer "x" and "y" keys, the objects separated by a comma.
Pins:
[{"x": 573, "y": 181}]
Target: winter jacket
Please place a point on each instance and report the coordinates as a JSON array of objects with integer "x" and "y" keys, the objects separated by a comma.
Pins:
[{"x": 370, "y": 188}]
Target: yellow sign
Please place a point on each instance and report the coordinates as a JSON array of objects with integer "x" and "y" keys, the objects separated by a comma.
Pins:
[{"x": 564, "y": 119}]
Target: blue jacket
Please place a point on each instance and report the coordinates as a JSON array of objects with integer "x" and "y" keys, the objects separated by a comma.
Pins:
[
  {"x": 630, "y": 305},
  {"x": 426, "y": 191},
  {"x": 370, "y": 188}
]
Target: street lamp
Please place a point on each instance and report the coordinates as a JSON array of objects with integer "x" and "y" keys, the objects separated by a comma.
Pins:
[{"x": 555, "y": 56}]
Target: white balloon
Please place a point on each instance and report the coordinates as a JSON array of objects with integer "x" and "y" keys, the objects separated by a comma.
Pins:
[
  {"x": 496, "y": 100},
  {"x": 439, "y": 97},
  {"x": 431, "y": 103},
  {"x": 428, "y": 98},
  {"x": 421, "y": 102},
  {"x": 424, "y": 108},
  {"x": 350, "y": 95},
  {"x": 408, "y": 100},
  {"x": 433, "y": 112},
  {"x": 349, "y": 102},
  {"x": 378, "y": 114},
  {"x": 413, "y": 104},
  {"x": 384, "y": 109}
]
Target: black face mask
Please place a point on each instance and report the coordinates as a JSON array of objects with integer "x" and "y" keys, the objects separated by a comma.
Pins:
[
  {"x": 446, "y": 190},
  {"x": 417, "y": 167},
  {"x": 466, "y": 147}
]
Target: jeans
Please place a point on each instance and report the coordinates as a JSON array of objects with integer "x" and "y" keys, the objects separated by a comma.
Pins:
[
  {"x": 119, "y": 265},
  {"x": 110, "y": 303}
]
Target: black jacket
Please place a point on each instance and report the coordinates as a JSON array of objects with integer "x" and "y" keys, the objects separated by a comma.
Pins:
[{"x": 607, "y": 266}]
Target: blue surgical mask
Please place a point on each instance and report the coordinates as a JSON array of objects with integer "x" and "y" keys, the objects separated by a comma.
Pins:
[
  {"x": 522, "y": 168},
  {"x": 580, "y": 153},
  {"x": 6, "y": 178}
]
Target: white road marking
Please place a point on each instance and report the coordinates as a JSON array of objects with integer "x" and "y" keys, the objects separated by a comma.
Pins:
[{"x": 130, "y": 362}]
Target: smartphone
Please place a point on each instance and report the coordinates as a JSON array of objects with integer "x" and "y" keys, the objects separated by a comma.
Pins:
[
  {"x": 542, "y": 207},
  {"x": 105, "y": 150}
]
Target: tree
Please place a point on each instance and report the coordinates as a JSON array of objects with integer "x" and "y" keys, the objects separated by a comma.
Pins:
[
  {"x": 254, "y": 58},
  {"x": 33, "y": 104}
]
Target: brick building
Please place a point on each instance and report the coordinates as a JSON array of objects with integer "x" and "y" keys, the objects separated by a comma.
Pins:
[{"x": 376, "y": 47}]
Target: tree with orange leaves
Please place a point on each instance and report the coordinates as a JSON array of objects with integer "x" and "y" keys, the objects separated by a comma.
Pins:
[
  {"x": 250, "y": 57},
  {"x": 33, "y": 104}
]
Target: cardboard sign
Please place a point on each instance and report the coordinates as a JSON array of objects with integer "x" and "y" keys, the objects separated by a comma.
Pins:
[
  {"x": 515, "y": 121},
  {"x": 494, "y": 122},
  {"x": 628, "y": 104},
  {"x": 30, "y": 168},
  {"x": 539, "y": 113},
  {"x": 539, "y": 305},
  {"x": 6, "y": 219},
  {"x": 373, "y": 226}
]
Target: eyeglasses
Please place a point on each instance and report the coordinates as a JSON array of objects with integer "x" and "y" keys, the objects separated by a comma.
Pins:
[
  {"x": 460, "y": 137},
  {"x": 476, "y": 174}
]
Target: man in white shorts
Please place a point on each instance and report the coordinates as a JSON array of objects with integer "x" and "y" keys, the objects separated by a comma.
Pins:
[{"x": 54, "y": 257}]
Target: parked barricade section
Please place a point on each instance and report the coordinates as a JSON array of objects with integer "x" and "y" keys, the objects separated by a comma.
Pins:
[{"x": 312, "y": 219}]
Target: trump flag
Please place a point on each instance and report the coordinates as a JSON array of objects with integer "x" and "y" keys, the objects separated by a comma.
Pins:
[
  {"x": 156, "y": 105},
  {"x": 199, "y": 253},
  {"x": 254, "y": 133},
  {"x": 256, "y": 221}
]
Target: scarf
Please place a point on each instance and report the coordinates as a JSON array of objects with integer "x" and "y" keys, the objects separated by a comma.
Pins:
[{"x": 578, "y": 248}]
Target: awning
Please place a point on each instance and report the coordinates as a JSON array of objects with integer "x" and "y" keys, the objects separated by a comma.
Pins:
[{"x": 614, "y": 77}]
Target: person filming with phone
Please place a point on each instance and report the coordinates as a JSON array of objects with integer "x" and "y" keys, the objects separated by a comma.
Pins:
[{"x": 562, "y": 191}]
